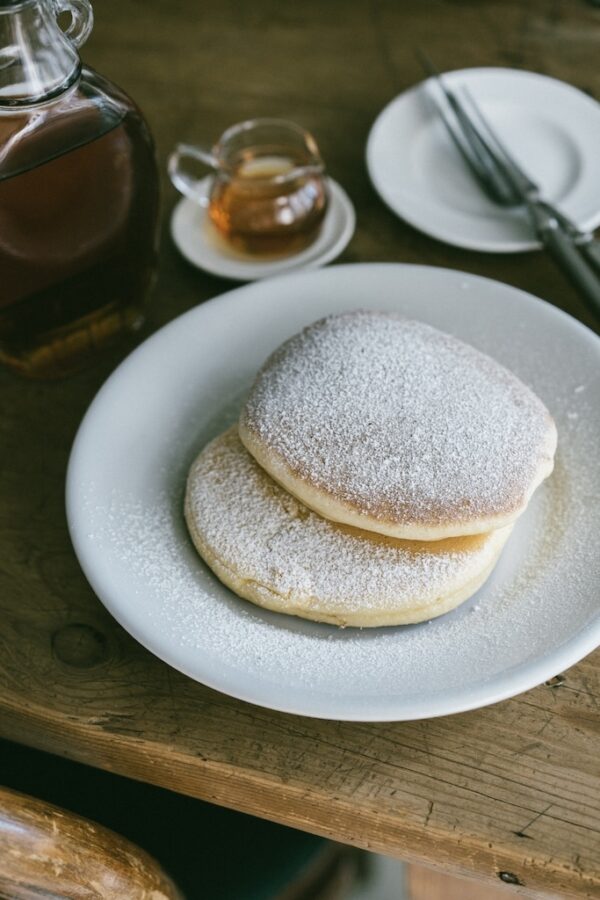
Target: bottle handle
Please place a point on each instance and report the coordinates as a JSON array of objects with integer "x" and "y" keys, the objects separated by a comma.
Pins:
[
  {"x": 82, "y": 19},
  {"x": 186, "y": 183}
]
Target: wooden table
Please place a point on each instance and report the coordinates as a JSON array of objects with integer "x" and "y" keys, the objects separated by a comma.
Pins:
[{"x": 507, "y": 792}]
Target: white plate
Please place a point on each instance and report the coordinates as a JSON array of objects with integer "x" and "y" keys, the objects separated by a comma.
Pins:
[
  {"x": 200, "y": 243},
  {"x": 552, "y": 128},
  {"x": 538, "y": 613}
]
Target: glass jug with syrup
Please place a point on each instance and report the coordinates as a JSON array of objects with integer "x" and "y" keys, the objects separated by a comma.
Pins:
[{"x": 78, "y": 195}]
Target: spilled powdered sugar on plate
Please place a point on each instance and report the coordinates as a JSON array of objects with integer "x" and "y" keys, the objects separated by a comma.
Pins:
[
  {"x": 537, "y": 614},
  {"x": 150, "y": 540}
]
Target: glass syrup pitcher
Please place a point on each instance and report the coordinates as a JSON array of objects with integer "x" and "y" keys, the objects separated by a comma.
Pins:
[{"x": 78, "y": 195}]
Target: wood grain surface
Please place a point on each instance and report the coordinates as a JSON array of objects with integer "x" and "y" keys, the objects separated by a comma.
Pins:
[
  {"x": 506, "y": 793},
  {"x": 49, "y": 852}
]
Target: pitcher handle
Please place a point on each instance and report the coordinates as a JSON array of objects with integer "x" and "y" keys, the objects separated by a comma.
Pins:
[
  {"x": 186, "y": 183},
  {"x": 82, "y": 19}
]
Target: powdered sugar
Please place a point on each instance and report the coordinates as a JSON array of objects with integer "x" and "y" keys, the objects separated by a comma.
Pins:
[
  {"x": 400, "y": 421},
  {"x": 542, "y": 589},
  {"x": 266, "y": 537},
  {"x": 169, "y": 584},
  {"x": 538, "y": 611}
]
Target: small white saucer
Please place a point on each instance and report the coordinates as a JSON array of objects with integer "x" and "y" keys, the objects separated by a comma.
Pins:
[
  {"x": 552, "y": 129},
  {"x": 201, "y": 244}
]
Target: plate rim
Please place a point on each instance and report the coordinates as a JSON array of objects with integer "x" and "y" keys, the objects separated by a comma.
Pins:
[
  {"x": 481, "y": 246},
  {"x": 521, "y": 677}
]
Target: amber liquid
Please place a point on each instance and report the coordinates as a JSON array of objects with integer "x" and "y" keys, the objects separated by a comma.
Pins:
[
  {"x": 77, "y": 243},
  {"x": 260, "y": 217}
]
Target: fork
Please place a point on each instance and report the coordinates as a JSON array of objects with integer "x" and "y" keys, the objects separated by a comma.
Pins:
[
  {"x": 525, "y": 187},
  {"x": 505, "y": 182}
]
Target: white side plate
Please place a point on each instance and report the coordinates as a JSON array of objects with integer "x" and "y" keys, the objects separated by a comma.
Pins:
[{"x": 552, "y": 129}]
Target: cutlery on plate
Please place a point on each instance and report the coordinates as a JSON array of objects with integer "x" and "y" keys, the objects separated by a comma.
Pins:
[
  {"x": 577, "y": 252},
  {"x": 525, "y": 188}
]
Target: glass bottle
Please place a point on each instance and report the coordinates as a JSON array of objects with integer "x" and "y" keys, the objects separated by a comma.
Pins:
[{"x": 78, "y": 195}]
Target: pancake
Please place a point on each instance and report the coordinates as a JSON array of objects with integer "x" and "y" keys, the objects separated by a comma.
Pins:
[
  {"x": 394, "y": 427},
  {"x": 270, "y": 549}
]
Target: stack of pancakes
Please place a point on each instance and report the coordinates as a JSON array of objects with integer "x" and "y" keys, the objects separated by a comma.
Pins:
[{"x": 374, "y": 476}]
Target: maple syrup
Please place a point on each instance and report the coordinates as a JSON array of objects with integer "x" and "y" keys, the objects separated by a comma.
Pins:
[
  {"x": 268, "y": 192},
  {"x": 78, "y": 215},
  {"x": 259, "y": 214}
]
